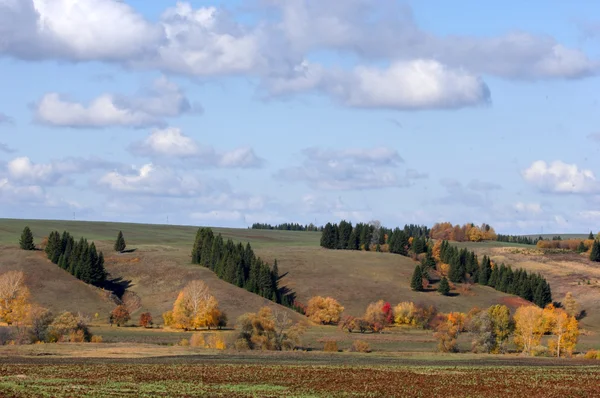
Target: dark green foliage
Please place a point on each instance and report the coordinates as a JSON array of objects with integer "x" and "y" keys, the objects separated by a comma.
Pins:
[
  {"x": 26, "y": 241},
  {"x": 581, "y": 247},
  {"x": 524, "y": 240},
  {"x": 238, "y": 265},
  {"x": 416, "y": 283},
  {"x": 120, "y": 243},
  {"x": 80, "y": 259},
  {"x": 329, "y": 236},
  {"x": 444, "y": 287},
  {"x": 288, "y": 227},
  {"x": 591, "y": 235},
  {"x": 595, "y": 253}
]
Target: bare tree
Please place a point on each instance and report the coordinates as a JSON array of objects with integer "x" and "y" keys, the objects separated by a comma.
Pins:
[
  {"x": 376, "y": 224},
  {"x": 196, "y": 295}
]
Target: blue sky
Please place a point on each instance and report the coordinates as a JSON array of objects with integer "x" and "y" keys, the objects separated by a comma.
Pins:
[{"x": 227, "y": 113}]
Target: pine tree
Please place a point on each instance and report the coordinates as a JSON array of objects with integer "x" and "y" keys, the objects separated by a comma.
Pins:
[
  {"x": 26, "y": 241},
  {"x": 120, "y": 243},
  {"x": 485, "y": 272},
  {"x": 444, "y": 287},
  {"x": 581, "y": 247},
  {"x": 591, "y": 235},
  {"x": 595, "y": 253},
  {"x": 416, "y": 282}
]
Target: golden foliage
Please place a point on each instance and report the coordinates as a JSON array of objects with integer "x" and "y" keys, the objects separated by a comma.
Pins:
[
  {"x": 330, "y": 346},
  {"x": 360, "y": 346},
  {"x": 14, "y": 298},
  {"x": 168, "y": 318},
  {"x": 567, "y": 244},
  {"x": 405, "y": 314},
  {"x": 447, "y": 330},
  {"x": 195, "y": 308},
  {"x": 208, "y": 340},
  {"x": 529, "y": 327},
  {"x": 437, "y": 250},
  {"x": 96, "y": 339},
  {"x": 571, "y": 305},
  {"x": 324, "y": 310},
  {"x": 268, "y": 331},
  {"x": 564, "y": 329},
  {"x": 443, "y": 268},
  {"x": 468, "y": 232}
]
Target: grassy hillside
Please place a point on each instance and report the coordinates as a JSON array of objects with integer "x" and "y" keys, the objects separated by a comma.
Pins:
[{"x": 160, "y": 267}]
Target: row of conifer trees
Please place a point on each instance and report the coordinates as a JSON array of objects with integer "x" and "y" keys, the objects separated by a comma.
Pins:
[
  {"x": 238, "y": 265},
  {"x": 79, "y": 258}
]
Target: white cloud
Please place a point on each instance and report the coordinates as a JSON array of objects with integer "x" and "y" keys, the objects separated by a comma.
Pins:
[
  {"x": 163, "y": 99},
  {"x": 532, "y": 208},
  {"x": 156, "y": 180},
  {"x": 347, "y": 169},
  {"x": 560, "y": 177},
  {"x": 218, "y": 216},
  {"x": 403, "y": 85},
  {"x": 11, "y": 193},
  {"x": 23, "y": 171},
  {"x": 171, "y": 143}
]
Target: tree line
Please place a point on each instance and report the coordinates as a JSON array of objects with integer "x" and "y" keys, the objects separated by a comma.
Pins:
[
  {"x": 288, "y": 227},
  {"x": 79, "y": 258},
  {"x": 524, "y": 240},
  {"x": 465, "y": 267},
  {"x": 238, "y": 265}
]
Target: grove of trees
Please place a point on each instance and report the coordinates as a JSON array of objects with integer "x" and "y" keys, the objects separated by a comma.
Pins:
[
  {"x": 79, "y": 258},
  {"x": 288, "y": 227},
  {"x": 238, "y": 265}
]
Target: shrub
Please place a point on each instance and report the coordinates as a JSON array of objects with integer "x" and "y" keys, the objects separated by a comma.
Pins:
[
  {"x": 267, "y": 331},
  {"x": 208, "y": 340},
  {"x": 96, "y": 339},
  {"x": 77, "y": 336},
  {"x": 66, "y": 326},
  {"x": 360, "y": 346},
  {"x": 330, "y": 346},
  {"x": 592, "y": 354},
  {"x": 184, "y": 342},
  {"x": 6, "y": 335},
  {"x": 120, "y": 315},
  {"x": 146, "y": 319},
  {"x": 168, "y": 318},
  {"x": 241, "y": 344}
]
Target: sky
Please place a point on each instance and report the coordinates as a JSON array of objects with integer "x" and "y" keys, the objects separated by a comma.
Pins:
[{"x": 227, "y": 113}]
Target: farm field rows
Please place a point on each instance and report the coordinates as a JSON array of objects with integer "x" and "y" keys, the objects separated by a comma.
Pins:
[{"x": 253, "y": 380}]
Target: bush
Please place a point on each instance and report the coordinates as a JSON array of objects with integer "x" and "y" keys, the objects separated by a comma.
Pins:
[
  {"x": 330, "y": 346},
  {"x": 241, "y": 344},
  {"x": 6, "y": 335},
  {"x": 146, "y": 319},
  {"x": 592, "y": 354},
  {"x": 208, "y": 340},
  {"x": 77, "y": 336},
  {"x": 66, "y": 326},
  {"x": 184, "y": 343},
  {"x": 96, "y": 339},
  {"x": 120, "y": 315},
  {"x": 360, "y": 346},
  {"x": 324, "y": 310}
]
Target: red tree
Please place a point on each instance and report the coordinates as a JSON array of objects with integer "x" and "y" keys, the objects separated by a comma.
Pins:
[{"x": 388, "y": 313}]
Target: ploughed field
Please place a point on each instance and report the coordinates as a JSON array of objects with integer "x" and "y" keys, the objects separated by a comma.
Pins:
[{"x": 218, "y": 379}]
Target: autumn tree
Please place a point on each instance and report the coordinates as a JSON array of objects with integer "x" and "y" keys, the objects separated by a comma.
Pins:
[
  {"x": 571, "y": 305},
  {"x": 565, "y": 331},
  {"x": 444, "y": 287},
  {"x": 14, "y": 297},
  {"x": 378, "y": 315},
  {"x": 324, "y": 310},
  {"x": 146, "y": 319},
  {"x": 39, "y": 321},
  {"x": 68, "y": 326},
  {"x": 448, "y": 329},
  {"x": 416, "y": 282},
  {"x": 26, "y": 241},
  {"x": 120, "y": 244},
  {"x": 502, "y": 326},
  {"x": 195, "y": 307},
  {"x": 529, "y": 327},
  {"x": 120, "y": 315},
  {"x": 266, "y": 330}
]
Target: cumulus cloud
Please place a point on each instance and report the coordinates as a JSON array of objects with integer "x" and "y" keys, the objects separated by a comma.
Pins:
[
  {"x": 12, "y": 193},
  {"x": 22, "y": 170},
  {"x": 155, "y": 180},
  {"x": 347, "y": 169},
  {"x": 163, "y": 99},
  {"x": 423, "y": 70},
  {"x": 560, "y": 177},
  {"x": 403, "y": 85},
  {"x": 532, "y": 208},
  {"x": 172, "y": 144}
]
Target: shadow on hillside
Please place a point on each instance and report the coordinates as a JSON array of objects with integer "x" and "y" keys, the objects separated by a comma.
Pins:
[
  {"x": 128, "y": 251},
  {"x": 118, "y": 286}
]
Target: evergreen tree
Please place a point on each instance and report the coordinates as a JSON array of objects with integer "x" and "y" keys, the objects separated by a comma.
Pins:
[
  {"x": 591, "y": 235},
  {"x": 595, "y": 253},
  {"x": 486, "y": 270},
  {"x": 444, "y": 287},
  {"x": 581, "y": 247},
  {"x": 120, "y": 243},
  {"x": 493, "y": 280},
  {"x": 416, "y": 282},
  {"x": 26, "y": 241}
]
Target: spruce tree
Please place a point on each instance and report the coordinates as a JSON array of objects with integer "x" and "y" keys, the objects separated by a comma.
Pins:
[
  {"x": 595, "y": 253},
  {"x": 26, "y": 241},
  {"x": 591, "y": 235},
  {"x": 444, "y": 287},
  {"x": 581, "y": 247},
  {"x": 120, "y": 243},
  {"x": 416, "y": 282}
]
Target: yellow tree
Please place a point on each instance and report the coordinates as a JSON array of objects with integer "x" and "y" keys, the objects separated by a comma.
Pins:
[
  {"x": 14, "y": 297},
  {"x": 565, "y": 333},
  {"x": 529, "y": 327},
  {"x": 324, "y": 310},
  {"x": 571, "y": 305},
  {"x": 195, "y": 307},
  {"x": 501, "y": 325}
]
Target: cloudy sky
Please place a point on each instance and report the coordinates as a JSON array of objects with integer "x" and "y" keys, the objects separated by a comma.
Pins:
[{"x": 226, "y": 113}]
